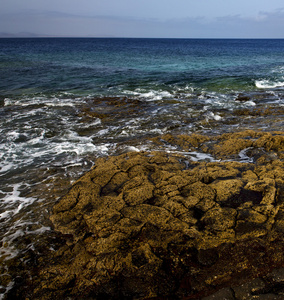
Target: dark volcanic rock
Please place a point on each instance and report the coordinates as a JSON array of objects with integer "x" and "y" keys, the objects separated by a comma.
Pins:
[
  {"x": 150, "y": 225},
  {"x": 243, "y": 97}
]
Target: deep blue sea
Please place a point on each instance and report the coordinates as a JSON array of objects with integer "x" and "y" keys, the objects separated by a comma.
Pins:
[
  {"x": 64, "y": 102},
  {"x": 149, "y": 68}
]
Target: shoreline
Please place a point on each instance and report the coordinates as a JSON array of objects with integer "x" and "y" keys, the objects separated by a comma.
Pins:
[
  {"x": 226, "y": 207},
  {"x": 208, "y": 114}
]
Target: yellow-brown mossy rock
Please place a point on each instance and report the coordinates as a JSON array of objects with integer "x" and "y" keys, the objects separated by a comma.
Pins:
[
  {"x": 232, "y": 143},
  {"x": 270, "y": 142},
  {"x": 257, "y": 144},
  {"x": 144, "y": 225},
  {"x": 231, "y": 146}
]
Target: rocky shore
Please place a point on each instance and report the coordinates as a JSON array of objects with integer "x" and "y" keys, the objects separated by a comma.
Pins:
[{"x": 158, "y": 225}]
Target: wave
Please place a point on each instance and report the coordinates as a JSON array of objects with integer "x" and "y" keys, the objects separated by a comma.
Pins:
[
  {"x": 268, "y": 84},
  {"x": 41, "y": 101},
  {"x": 150, "y": 95}
]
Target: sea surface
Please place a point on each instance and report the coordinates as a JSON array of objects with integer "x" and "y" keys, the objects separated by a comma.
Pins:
[{"x": 65, "y": 102}]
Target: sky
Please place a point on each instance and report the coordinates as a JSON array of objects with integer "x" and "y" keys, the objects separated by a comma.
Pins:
[{"x": 147, "y": 18}]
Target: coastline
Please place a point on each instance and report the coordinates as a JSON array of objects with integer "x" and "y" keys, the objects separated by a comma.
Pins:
[
  {"x": 147, "y": 225},
  {"x": 206, "y": 114}
]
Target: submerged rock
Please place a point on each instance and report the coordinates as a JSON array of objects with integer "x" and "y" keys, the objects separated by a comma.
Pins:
[
  {"x": 243, "y": 97},
  {"x": 149, "y": 225}
]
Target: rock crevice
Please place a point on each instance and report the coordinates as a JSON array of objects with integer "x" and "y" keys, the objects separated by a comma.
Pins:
[{"x": 150, "y": 224}]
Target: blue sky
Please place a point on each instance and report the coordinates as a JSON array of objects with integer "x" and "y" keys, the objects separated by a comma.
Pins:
[{"x": 147, "y": 18}]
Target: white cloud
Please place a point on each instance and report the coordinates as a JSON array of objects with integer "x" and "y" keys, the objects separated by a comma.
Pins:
[{"x": 263, "y": 25}]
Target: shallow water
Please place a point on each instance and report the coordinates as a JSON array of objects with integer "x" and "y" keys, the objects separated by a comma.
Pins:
[{"x": 65, "y": 102}]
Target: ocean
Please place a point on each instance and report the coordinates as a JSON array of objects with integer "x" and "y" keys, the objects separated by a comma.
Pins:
[{"x": 64, "y": 102}]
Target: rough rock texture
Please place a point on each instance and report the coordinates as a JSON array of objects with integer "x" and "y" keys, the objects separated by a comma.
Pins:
[
  {"x": 256, "y": 144},
  {"x": 150, "y": 225}
]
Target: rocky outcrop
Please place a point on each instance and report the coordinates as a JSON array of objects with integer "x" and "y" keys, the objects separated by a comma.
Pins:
[
  {"x": 162, "y": 226},
  {"x": 256, "y": 144},
  {"x": 147, "y": 225}
]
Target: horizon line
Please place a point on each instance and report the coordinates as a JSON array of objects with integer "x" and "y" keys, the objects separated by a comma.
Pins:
[{"x": 130, "y": 37}]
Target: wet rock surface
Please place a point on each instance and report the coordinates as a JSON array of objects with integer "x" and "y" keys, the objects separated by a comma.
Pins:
[{"x": 154, "y": 225}]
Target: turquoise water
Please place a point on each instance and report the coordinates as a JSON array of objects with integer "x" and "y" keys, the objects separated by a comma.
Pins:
[
  {"x": 65, "y": 102},
  {"x": 120, "y": 66}
]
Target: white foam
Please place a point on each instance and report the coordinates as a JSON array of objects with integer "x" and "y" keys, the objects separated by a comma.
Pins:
[
  {"x": 199, "y": 156},
  {"x": 211, "y": 115},
  {"x": 37, "y": 149},
  {"x": 78, "y": 148},
  {"x": 12, "y": 135},
  {"x": 152, "y": 95},
  {"x": 158, "y": 130},
  {"x": 124, "y": 133},
  {"x": 217, "y": 117},
  {"x": 49, "y": 102},
  {"x": 14, "y": 202},
  {"x": 250, "y": 103},
  {"x": 187, "y": 88},
  {"x": 6, "y": 167},
  {"x": 137, "y": 148},
  {"x": 268, "y": 84},
  {"x": 81, "y": 149},
  {"x": 194, "y": 155},
  {"x": 132, "y": 149},
  {"x": 41, "y": 230},
  {"x": 38, "y": 139},
  {"x": 18, "y": 229},
  {"x": 7, "y": 102},
  {"x": 95, "y": 123},
  {"x": 103, "y": 132},
  {"x": 60, "y": 103},
  {"x": 243, "y": 156},
  {"x": 217, "y": 101}
]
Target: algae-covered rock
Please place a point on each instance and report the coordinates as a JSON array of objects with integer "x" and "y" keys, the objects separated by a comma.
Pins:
[
  {"x": 255, "y": 145},
  {"x": 151, "y": 224}
]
